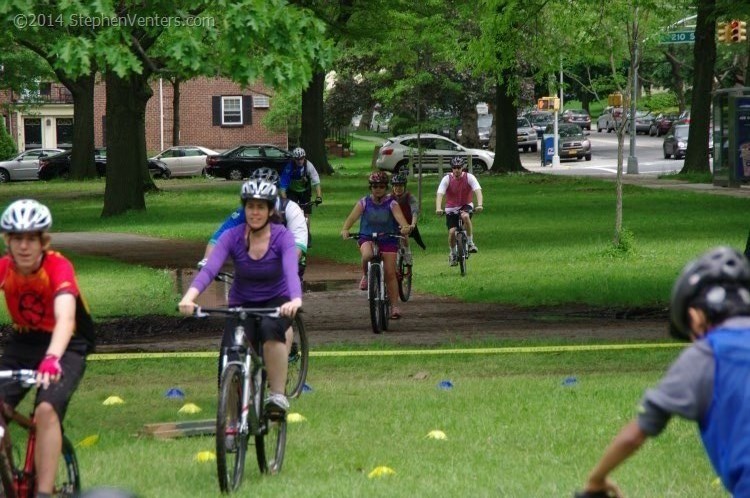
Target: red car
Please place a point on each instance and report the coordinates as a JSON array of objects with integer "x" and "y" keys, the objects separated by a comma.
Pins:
[{"x": 662, "y": 124}]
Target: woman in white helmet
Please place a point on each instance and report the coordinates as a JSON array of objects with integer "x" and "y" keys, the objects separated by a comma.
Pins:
[{"x": 52, "y": 328}]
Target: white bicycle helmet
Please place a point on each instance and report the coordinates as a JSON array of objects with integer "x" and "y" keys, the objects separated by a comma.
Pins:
[
  {"x": 298, "y": 153},
  {"x": 259, "y": 189},
  {"x": 26, "y": 215},
  {"x": 267, "y": 174}
]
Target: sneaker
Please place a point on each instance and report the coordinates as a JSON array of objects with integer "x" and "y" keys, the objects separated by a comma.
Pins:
[
  {"x": 472, "y": 247},
  {"x": 276, "y": 404},
  {"x": 363, "y": 283},
  {"x": 395, "y": 313},
  {"x": 452, "y": 260}
]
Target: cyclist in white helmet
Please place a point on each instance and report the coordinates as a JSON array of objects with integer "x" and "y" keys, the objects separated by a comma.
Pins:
[
  {"x": 52, "y": 328},
  {"x": 298, "y": 178}
]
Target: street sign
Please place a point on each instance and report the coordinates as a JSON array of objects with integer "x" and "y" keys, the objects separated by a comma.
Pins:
[{"x": 677, "y": 37}]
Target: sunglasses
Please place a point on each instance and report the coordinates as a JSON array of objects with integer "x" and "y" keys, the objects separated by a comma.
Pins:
[
  {"x": 456, "y": 167},
  {"x": 378, "y": 185}
]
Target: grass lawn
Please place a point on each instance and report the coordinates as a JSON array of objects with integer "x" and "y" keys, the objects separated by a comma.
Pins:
[{"x": 514, "y": 427}]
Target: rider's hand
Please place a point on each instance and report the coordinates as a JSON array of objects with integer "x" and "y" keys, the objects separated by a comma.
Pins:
[
  {"x": 405, "y": 230},
  {"x": 479, "y": 208},
  {"x": 319, "y": 200},
  {"x": 439, "y": 212},
  {"x": 290, "y": 307},
  {"x": 345, "y": 234},
  {"x": 202, "y": 263},
  {"x": 412, "y": 227},
  {"x": 49, "y": 370},
  {"x": 186, "y": 307}
]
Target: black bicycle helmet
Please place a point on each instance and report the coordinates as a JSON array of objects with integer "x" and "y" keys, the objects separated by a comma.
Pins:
[
  {"x": 458, "y": 161},
  {"x": 717, "y": 282},
  {"x": 259, "y": 189},
  {"x": 399, "y": 179}
]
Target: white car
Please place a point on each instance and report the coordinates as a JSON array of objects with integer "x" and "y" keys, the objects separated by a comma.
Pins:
[
  {"x": 527, "y": 136},
  {"x": 24, "y": 166},
  {"x": 185, "y": 160},
  {"x": 396, "y": 151}
]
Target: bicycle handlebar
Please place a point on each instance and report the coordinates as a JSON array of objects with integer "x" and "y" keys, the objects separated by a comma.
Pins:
[
  {"x": 373, "y": 236},
  {"x": 24, "y": 377},
  {"x": 201, "y": 312}
]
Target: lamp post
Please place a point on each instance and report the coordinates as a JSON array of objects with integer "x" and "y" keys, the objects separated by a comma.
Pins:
[
  {"x": 556, "y": 157},
  {"x": 632, "y": 159}
]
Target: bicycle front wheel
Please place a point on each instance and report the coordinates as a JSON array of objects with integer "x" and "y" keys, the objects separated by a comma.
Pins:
[
  {"x": 231, "y": 443},
  {"x": 6, "y": 469},
  {"x": 461, "y": 251},
  {"x": 270, "y": 443},
  {"x": 373, "y": 294},
  {"x": 299, "y": 357},
  {"x": 67, "y": 479}
]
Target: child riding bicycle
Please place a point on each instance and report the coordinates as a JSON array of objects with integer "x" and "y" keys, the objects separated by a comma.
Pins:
[
  {"x": 458, "y": 188},
  {"x": 708, "y": 383},
  {"x": 265, "y": 276},
  {"x": 52, "y": 329},
  {"x": 410, "y": 208},
  {"x": 378, "y": 213}
]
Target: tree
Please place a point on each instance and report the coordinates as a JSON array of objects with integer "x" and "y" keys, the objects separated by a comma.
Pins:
[{"x": 7, "y": 145}]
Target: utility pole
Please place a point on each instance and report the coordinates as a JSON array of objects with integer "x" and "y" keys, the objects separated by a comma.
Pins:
[
  {"x": 632, "y": 159},
  {"x": 556, "y": 157}
]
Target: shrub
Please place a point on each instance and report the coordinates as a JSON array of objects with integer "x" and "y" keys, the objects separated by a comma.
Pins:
[
  {"x": 659, "y": 102},
  {"x": 7, "y": 145}
]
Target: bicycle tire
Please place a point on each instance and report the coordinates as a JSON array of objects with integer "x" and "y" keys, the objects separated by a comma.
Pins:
[
  {"x": 231, "y": 444},
  {"x": 384, "y": 308},
  {"x": 6, "y": 470},
  {"x": 270, "y": 444},
  {"x": 299, "y": 358},
  {"x": 404, "y": 281},
  {"x": 68, "y": 478},
  {"x": 373, "y": 296},
  {"x": 461, "y": 252}
]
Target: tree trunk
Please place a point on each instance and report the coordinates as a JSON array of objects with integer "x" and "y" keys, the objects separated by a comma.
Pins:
[
  {"x": 704, "y": 56},
  {"x": 176, "y": 112},
  {"x": 127, "y": 169},
  {"x": 82, "y": 156},
  {"x": 365, "y": 120},
  {"x": 678, "y": 84},
  {"x": 469, "y": 129},
  {"x": 313, "y": 133},
  {"x": 506, "y": 132}
]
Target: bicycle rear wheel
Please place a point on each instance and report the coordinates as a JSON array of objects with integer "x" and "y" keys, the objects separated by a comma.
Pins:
[
  {"x": 270, "y": 443},
  {"x": 231, "y": 443},
  {"x": 404, "y": 281},
  {"x": 6, "y": 470},
  {"x": 373, "y": 295},
  {"x": 299, "y": 357},
  {"x": 67, "y": 479},
  {"x": 461, "y": 253}
]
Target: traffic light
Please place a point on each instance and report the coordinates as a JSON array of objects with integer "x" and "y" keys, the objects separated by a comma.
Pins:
[
  {"x": 548, "y": 104},
  {"x": 722, "y": 32},
  {"x": 737, "y": 31}
]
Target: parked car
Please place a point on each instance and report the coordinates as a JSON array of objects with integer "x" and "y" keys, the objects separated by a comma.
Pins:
[
  {"x": 610, "y": 118},
  {"x": 238, "y": 163},
  {"x": 580, "y": 117},
  {"x": 539, "y": 121},
  {"x": 58, "y": 165},
  {"x": 527, "y": 138},
  {"x": 573, "y": 143},
  {"x": 484, "y": 127},
  {"x": 185, "y": 160},
  {"x": 643, "y": 122},
  {"x": 396, "y": 151},
  {"x": 24, "y": 166},
  {"x": 676, "y": 141},
  {"x": 661, "y": 125}
]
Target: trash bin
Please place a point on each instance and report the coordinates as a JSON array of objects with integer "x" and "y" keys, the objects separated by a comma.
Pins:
[{"x": 548, "y": 149}]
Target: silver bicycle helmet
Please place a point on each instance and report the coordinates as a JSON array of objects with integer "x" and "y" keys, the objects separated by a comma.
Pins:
[
  {"x": 458, "y": 162},
  {"x": 259, "y": 189},
  {"x": 267, "y": 174},
  {"x": 298, "y": 153},
  {"x": 717, "y": 282},
  {"x": 26, "y": 215}
]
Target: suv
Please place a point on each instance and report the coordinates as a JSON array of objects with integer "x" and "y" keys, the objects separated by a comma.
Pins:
[
  {"x": 395, "y": 153},
  {"x": 610, "y": 119},
  {"x": 526, "y": 135}
]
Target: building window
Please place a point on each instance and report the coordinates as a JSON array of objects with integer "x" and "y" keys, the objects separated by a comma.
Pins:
[
  {"x": 261, "y": 101},
  {"x": 231, "y": 110}
]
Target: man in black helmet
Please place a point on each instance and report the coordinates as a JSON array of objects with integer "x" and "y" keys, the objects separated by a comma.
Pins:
[{"x": 710, "y": 381}]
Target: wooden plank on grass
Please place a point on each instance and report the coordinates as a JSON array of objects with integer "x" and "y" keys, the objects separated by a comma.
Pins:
[{"x": 168, "y": 430}]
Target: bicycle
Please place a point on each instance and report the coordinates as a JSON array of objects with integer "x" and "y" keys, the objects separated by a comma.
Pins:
[
  {"x": 404, "y": 273},
  {"x": 377, "y": 291},
  {"x": 241, "y": 411},
  {"x": 21, "y": 481},
  {"x": 462, "y": 241},
  {"x": 310, "y": 204},
  {"x": 299, "y": 354}
]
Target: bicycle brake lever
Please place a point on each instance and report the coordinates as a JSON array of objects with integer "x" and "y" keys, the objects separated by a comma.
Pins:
[{"x": 199, "y": 313}]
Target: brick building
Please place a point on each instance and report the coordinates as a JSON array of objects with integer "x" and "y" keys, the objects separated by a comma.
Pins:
[{"x": 214, "y": 112}]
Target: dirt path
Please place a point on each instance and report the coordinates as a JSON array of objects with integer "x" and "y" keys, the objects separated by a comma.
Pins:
[{"x": 336, "y": 312}]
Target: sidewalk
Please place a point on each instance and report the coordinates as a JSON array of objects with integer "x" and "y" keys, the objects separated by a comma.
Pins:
[{"x": 649, "y": 181}]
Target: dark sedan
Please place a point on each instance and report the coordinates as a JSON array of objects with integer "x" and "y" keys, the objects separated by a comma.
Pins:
[
  {"x": 58, "y": 166},
  {"x": 662, "y": 124},
  {"x": 580, "y": 117},
  {"x": 240, "y": 162}
]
